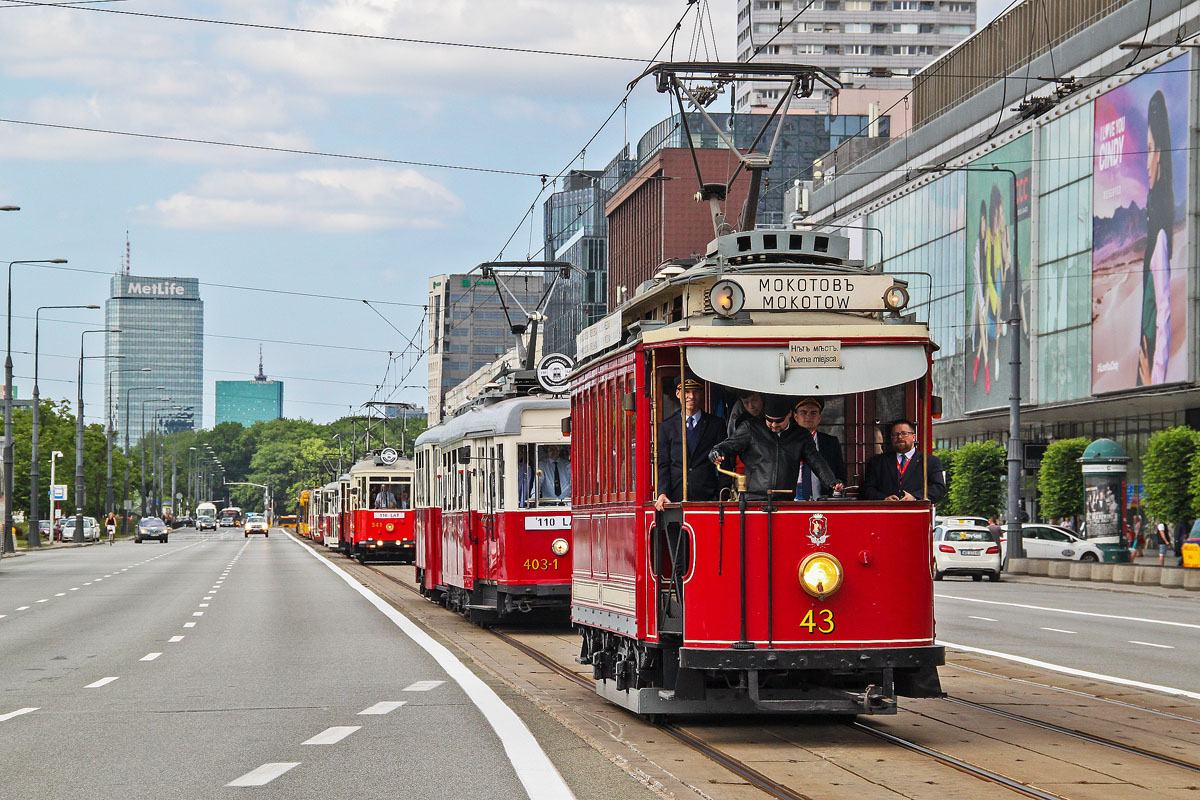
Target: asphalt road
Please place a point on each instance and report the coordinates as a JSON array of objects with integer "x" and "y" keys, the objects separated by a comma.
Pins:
[
  {"x": 174, "y": 670},
  {"x": 1146, "y": 637}
]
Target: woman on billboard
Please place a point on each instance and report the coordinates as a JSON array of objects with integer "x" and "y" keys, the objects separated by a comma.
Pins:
[{"x": 1156, "y": 264}]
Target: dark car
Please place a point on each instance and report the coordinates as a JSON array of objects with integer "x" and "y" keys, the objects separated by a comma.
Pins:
[{"x": 151, "y": 528}]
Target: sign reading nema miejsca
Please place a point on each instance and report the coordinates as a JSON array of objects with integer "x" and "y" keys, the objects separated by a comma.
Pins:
[{"x": 133, "y": 286}]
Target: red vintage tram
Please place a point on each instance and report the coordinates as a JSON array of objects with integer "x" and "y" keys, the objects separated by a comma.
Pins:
[
  {"x": 381, "y": 513},
  {"x": 787, "y": 606},
  {"x": 494, "y": 509}
]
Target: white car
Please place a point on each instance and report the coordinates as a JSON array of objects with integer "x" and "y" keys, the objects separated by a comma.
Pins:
[
  {"x": 91, "y": 529},
  {"x": 1051, "y": 541},
  {"x": 979, "y": 522},
  {"x": 965, "y": 550}
]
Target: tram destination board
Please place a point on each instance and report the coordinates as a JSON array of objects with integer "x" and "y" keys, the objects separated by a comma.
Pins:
[{"x": 767, "y": 292}]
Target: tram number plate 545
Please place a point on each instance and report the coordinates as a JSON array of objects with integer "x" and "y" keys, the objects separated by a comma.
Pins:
[{"x": 818, "y": 621}]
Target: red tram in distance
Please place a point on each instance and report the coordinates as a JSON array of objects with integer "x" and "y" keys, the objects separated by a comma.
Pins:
[
  {"x": 787, "y": 606},
  {"x": 380, "y": 512},
  {"x": 493, "y": 491}
]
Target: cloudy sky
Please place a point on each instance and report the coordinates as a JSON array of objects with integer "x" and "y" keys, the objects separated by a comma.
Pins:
[{"x": 409, "y": 149}]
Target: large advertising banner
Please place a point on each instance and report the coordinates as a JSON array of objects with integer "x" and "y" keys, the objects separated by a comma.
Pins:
[
  {"x": 1140, "y": 232},
  {"x": 991, "y": 268}
]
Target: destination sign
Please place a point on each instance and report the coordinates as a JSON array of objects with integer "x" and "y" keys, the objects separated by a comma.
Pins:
[
  {"x": 813, "y": 292},
  {"x": 542, "y": 523},
  {"x": 814, "y": 353}
]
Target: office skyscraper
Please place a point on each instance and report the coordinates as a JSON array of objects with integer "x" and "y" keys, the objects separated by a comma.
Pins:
[
  {"x": 162, "y": 327},
  {"x": 248, "y": 402}
]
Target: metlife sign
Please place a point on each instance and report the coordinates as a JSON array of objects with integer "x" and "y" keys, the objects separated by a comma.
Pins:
[{"x": 158, "y": 288}]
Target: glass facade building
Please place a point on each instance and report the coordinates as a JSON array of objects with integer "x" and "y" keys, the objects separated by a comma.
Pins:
[
  {"x": 1080, "y": 203},
  {"x": 162, "y": 327},
  {"x": 248, "y": 402}
]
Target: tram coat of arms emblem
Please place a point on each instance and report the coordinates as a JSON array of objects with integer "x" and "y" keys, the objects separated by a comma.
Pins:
[{"x": 818, "y": 529}]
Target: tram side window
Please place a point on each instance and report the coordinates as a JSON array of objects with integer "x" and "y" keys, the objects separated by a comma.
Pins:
[
  {"x": 498, "y": 474},
  {"x": 553, "y": 474}
]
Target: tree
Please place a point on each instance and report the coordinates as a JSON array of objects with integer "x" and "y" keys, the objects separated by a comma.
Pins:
[
  {"x": 1060, "y": 479},
  {"x": 1167, "y": 471},
  {"x": 946, "y": 508},
  {"x": 978, "y": 488}
]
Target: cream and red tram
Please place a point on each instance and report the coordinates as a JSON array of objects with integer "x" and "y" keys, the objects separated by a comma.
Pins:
[
  {"x": 380, "y": 507},
  {"x": 495, "y": 521},
  {"x": 821, "y": 606}
]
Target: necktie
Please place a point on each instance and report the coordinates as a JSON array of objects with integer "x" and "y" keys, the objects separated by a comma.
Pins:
[
  {"x": 557, "y": 484},
  {"x": 804, "y": 488},
  {"x": 691, "y": 433}
]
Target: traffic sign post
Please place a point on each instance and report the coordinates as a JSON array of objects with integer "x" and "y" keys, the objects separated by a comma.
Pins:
[{"x": 58, "y": 491}]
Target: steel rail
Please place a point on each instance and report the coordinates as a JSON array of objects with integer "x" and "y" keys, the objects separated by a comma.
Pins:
[{"x": 1087, "y": 737}]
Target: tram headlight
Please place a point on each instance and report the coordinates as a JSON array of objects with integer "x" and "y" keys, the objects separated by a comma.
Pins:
[
  {"x": 820, "y": 575},
  {"x": 896, "y": 297},
  {"x": 560, "y": 547},
  {"x": 389, "y": 527}
]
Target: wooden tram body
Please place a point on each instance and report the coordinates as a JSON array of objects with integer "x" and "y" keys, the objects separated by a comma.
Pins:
[
  {"x": 737, "y": 631},
  {"x": 489, "y": 545},
  {"x": 331, "y": 523},
  {"x": 381, "y": 533}
]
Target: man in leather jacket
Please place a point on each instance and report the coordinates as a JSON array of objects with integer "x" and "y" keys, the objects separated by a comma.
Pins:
[{"x": 772, "y": 448}]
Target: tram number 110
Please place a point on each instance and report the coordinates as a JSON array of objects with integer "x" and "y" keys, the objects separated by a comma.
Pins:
[
  {"x": 540, "y": 564},
  {"x": 821, "y": 622}
]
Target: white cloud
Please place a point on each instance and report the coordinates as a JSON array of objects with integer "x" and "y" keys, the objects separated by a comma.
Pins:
[{"x": 325, "y": 201}]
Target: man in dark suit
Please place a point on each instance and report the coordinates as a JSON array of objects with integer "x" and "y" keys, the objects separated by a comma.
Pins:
[
  {"x": 702, "y": 432},
  {"x": 808, "y": 416},
  {"x": 901, "y": 474}
]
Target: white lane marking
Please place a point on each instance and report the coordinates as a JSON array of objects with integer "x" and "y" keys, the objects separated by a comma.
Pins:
[
  {"x": 209, "y": 597},
  {"x": 197, "y": 613},
  {"x": 1070, "y": 611},
  {"x": 44, "y": 600},
  {"x": 333, "y": 735},
  {"x": 422, "y": 686},
  {"x": 101, "y": 682},
  {"x": 2, "y": 616},
  {"x": 1082, "y": 673},
  {"x": 189, "y": 624},
  {"x": 74, "y": 589},
  {"x": 1059, "y": 630},
  {"x": 386, "y": 707},
  {"x": 533, "y": 767},
  {"x": 17, "y": 713},
  {"x": 204, "y": 605},
  {"x": 174, "y": 639},
  {"x": 264, "y": 774},
  {"x": 89, "y": 583},
  {"x": 1152, "y": 644},
  {"x": 985, "y": 619},
  {"x": 61, "y": 594},
  {"x": 149, "y": 656},
  {"x": 22, "y": 608}
]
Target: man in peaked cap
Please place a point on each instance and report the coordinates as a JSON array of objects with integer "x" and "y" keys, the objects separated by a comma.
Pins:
[
  {"x": 700, "y": 431},
  {"x": 807, "y": 414},
  {"x": 772, "y": 449}
]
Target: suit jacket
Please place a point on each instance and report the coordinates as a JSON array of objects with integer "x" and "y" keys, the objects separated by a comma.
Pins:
[
  {"x": 883, "y": 479},
  {"x": 830, "y": 449},
  {"x": 702, "y": 475}
]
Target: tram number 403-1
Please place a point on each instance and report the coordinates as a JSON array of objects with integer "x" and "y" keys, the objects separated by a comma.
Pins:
[
  {"x": 819, "y": 622},
  {"x": 540, "y": 564}
]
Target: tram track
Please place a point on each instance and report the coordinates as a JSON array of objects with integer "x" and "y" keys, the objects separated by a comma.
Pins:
[{"x": 775, "y": 789}]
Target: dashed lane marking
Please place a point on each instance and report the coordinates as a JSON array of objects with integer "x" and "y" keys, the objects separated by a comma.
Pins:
[
  {"x": 985, "y": 619},
  {"x": 422, "y": 686},
  {"x": 1152, "y": 644},
  {"x": 197, "y": 613},
  {"x": 264, "y": 774},
  {"x": 149, "y": 656},
  {"x": 1059, "y": 630},
  {"x": 386, "y": 707},
  {"x": 61, "y": 594},
  {"x": 174, "y": 639},
  {"x": 17, "y": 713},
  {"x": 22, "y": 608},
  {"x": 189, "y": 624},
  {"x": 101, "y": 682},
  {"x": 333, "y": 735}
]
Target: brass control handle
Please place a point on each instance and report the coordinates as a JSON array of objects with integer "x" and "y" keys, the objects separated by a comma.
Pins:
[{"x": 739, "y": 479}]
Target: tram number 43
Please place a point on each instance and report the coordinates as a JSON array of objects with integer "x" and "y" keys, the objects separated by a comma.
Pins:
[
  {"x": 540, "y": 564},
  {"x": 819, "y": 622}
]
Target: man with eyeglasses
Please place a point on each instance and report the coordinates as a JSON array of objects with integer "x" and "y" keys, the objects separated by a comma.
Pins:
[{"x": 902, "y": 474}]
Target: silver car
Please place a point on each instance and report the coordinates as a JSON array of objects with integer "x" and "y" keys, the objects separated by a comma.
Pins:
[{"x": 151, "y": 528}]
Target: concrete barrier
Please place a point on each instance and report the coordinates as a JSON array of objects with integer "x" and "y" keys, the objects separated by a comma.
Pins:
[
  {"x": 1017, "y": 566},
  {"x": 1147, "y": 575},
  {"x": 1171, "y": 577},
  {"x": 1191, "y": 579},
  {"x": 1079, "y": 571},
  {"x": 1037, "y": 566},
  {"x": 1124, "y": 573},
  {"x": 1102, "y": 572},
  {"x": 1060, "y": 569}
]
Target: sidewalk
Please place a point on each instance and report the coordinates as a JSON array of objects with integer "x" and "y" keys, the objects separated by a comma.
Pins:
[{"x": 23, "y": 550}]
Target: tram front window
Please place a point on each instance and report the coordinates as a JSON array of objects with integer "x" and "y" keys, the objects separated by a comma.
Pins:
[
  {"x": 543, "y": 475},
  {"x": 393, "y": 494}
]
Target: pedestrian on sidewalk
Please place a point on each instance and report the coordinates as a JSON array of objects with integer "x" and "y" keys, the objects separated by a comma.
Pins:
[
  {"x": 1164, "y": 542},
  {"x": 994, "y": 529}
]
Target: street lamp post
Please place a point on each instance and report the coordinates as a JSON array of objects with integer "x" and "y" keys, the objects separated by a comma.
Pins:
[
  {"x": 79, "y": 436},
  {"x": 142, "y": 444},
  {"x": 32, "y": 537},
  {"x": 159, "y": 418},
  {"x": 9, "y": 544},
  {"x": 54, "y": 456},
  {"x": 125, "y": 496},
  {"x": 108, "y": 445}
]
